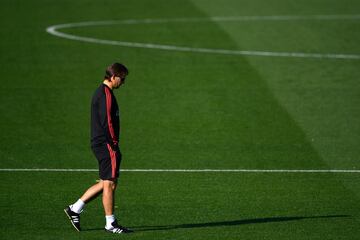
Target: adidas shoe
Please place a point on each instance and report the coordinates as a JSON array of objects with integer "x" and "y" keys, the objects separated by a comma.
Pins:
[
  {"x": 116, "y": 228},
  {"x": 74, "y": 218}
]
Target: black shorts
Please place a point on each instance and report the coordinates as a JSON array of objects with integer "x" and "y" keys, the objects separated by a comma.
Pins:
[{"x": 109, "y": 162}]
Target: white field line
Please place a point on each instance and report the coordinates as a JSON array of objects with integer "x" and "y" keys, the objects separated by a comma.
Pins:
[
  {"x": 54, "y": 31},
  {"x": 186, "y": 170},
  {"x": 214, "y": 19}
]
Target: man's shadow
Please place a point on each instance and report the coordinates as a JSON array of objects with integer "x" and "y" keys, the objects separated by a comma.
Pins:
[
  {"x": 226, "y": 223},
  {"x": 231, "y": 223}
]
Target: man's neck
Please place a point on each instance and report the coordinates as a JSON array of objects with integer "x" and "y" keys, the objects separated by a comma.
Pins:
[{"x": 108, "y": 83}]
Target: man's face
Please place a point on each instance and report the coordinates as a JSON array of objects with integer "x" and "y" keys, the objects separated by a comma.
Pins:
[{"x": 117, "y": 81}]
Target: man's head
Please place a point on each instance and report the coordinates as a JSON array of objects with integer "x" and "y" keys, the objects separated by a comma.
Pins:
[{"x": 115, "y": 75}]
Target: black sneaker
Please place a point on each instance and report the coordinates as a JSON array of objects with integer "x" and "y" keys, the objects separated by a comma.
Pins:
[
  {"x": 74, "y": 218},
  {"x": 116, "y": 228}
]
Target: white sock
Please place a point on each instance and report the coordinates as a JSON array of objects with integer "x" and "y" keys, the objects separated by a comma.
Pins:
[
  {"x": 109, "y": 220},
  {"x": 78, "y": 206}
]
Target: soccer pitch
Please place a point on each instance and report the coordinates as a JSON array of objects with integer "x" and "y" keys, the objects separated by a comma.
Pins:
[{"x": 268, "y": 91}]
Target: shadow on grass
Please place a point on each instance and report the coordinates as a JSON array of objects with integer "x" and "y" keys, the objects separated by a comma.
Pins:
[{"x": 230, "y": 223}]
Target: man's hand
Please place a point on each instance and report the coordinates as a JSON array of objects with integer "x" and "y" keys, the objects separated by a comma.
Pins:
[{"x": 114, "y": 147}]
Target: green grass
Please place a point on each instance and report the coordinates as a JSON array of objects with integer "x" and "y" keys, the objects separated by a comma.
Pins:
[
  {"x": 188, "y": 205},
  {"x": 184, "y": 110}
]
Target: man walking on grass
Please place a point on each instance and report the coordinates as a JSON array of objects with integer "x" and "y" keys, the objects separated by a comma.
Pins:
[{"x": 105, "y": 129}]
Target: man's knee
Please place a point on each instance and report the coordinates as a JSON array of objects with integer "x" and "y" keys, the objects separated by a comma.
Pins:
[{"x": 109, "y": 184}]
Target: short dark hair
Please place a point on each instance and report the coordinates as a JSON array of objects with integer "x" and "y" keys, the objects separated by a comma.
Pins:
[{"x": 116, "y": 69}]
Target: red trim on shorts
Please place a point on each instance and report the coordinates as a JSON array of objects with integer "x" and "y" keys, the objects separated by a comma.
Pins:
[{"x": 113, "y": 161}]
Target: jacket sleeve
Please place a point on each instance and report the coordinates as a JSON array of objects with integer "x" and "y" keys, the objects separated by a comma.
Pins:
[{"x": 105, "y": 102}]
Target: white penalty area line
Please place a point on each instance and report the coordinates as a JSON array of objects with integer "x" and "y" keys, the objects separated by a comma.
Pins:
[
  {"x": 53, "y": 30},
  {"x": 187, "y": 170}
]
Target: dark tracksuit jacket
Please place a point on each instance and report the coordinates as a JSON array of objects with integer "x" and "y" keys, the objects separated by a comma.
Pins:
[{"x": 105, "y": 119}]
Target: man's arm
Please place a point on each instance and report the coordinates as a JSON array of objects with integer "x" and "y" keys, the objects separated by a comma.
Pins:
[{"x": 105, "y": 118}]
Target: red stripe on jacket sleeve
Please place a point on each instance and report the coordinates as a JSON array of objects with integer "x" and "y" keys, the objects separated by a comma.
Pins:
[{"x": 108, "y": 111}]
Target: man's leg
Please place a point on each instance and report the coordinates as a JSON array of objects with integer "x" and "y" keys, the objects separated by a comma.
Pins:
[
  {"x": 89, "y": 195},
  {"x": 92, "y": 192},
  {"x": 109, "y": 196},
  {"x": 73, "y": 211},
  {"x": 108, "y": 202}
]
